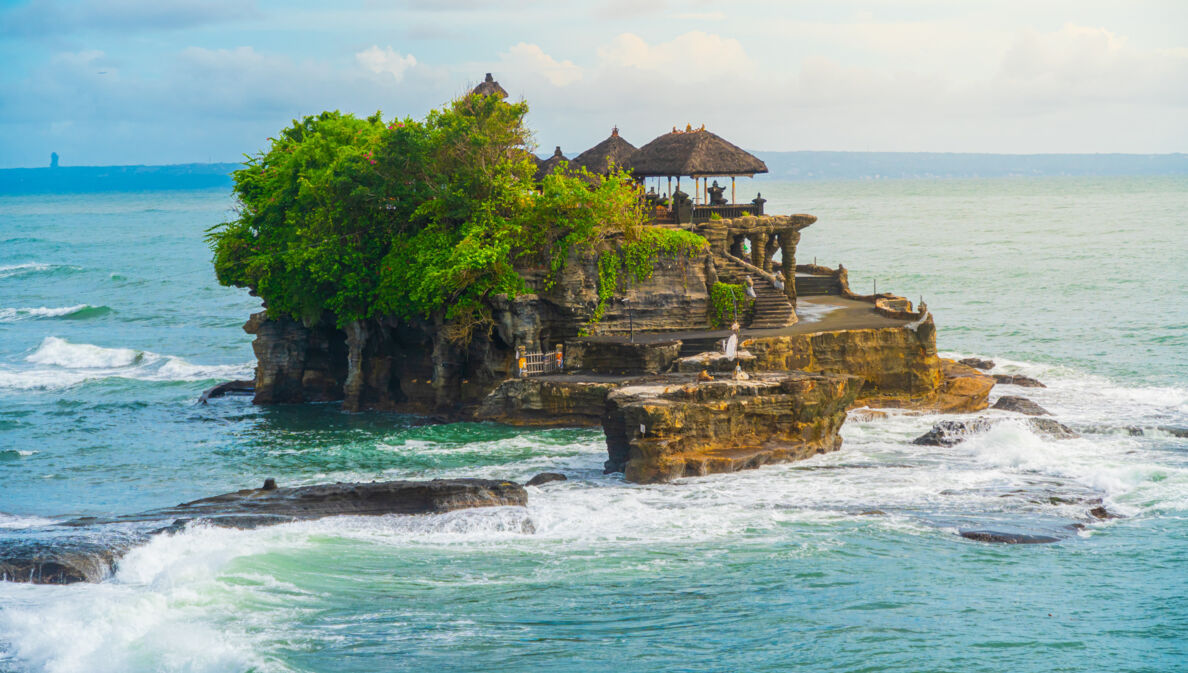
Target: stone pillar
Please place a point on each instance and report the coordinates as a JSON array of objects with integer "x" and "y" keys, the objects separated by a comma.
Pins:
[
  {"x": 773, "y": 244},
  {"x": 758, "y": 248},
  {"x": 356, "y": 332},
  {"x": 788, "y": 240}
]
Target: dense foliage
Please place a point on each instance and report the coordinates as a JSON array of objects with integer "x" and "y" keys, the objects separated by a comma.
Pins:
[
  {"x": 419, "y": 219},
  {"x": 724, "y": 299}
]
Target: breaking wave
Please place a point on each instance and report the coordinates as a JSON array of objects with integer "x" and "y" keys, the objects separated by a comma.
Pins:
[
  {"x": 77, "y": 312},
  {"x": 61, "y": 364},
  {"x": 28, "y": 268}
]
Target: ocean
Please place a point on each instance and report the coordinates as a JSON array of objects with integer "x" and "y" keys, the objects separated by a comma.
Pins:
[{"x": 111, "y": 325}]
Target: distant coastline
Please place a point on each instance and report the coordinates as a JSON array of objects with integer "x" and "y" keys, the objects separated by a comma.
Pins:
[
  {"x": 85, "y": 179},
  {"x": 782, "y": 165}
]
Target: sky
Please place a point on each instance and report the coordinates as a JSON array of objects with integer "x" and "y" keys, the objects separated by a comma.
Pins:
[{"x": 163, "y": 81}]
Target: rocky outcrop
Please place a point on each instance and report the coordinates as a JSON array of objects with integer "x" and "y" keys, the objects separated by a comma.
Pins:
[
  {"x": 977, "y": 363},
  {"x": 951, "y": 433},
  {"x": 295, "y": 363},
  {"x": 1020, "y": 405},
  {"x": 617, "y": 357},
  {"x": 664, "y": 430},
  {"x": 963, "y": 389},
  {"x": 83, "y": 550},
  {"x": 543, "y": 401},
  {"x": 1000, "y": 537},
  {"x": 898, "y": 364},
  {"x": 1018, "y": 380},
  {"x": 546, "y": 478}
]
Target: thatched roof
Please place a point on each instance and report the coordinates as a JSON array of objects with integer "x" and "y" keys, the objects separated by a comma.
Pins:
[
  {"x": 546, "y": 166},
  {"x": 693, "y": 152},
  {"x": 613, "y": 150},
  {"x": 489, "y": 86}
]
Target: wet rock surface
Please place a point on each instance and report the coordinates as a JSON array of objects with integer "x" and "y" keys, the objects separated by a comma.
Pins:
[
  {"x": 678, "y": 427},
  {"x": 1020, "y": 405},
  {"x": 228, "y": 388},
  {"x": 85, "y": 549},
  {"x": 1000, "y": 537},
  {"x": 951, "y": 433},
  {"x": 545, "y": 478},
  {"x": 1017, "y": 380},
  {"x": 977, "y": 363}
]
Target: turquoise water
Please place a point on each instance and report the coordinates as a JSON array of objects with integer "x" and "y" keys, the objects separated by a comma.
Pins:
[{"x": 111, "y": 325}]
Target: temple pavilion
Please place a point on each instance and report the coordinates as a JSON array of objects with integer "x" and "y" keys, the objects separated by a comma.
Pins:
[{"x": 693, "y": 153}]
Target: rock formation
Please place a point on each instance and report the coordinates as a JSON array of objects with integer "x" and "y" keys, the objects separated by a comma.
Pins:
[
  {"x": 1020, "y": 405},
  {"x": 85, "y": 549},
  {"x": 663, "y": 430}
]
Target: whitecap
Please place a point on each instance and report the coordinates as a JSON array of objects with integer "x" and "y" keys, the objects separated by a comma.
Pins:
[{"x": 61, "y": 364}]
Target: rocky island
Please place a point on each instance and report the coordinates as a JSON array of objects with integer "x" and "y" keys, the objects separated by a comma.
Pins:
[{"x": 435, "y": 267}]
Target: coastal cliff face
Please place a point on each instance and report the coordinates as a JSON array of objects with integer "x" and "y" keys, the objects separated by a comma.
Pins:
[
  {"x": 660, "y": 431},
  {"x": 384, "y": 364},
  {"x": 899, "y": 366}
]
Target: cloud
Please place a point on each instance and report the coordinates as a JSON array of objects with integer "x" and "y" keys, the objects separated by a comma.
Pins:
[
  {"x": 695, "y": 54},
  {"x": 385, "y": 61},
  {"x": 55, "y": 17},
  {"x": 524, "y": 58}
]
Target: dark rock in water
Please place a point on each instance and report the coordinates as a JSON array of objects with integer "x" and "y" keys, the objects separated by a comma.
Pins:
[
  {"x": 951, "y": 433},
  {"x": 270, "y": 484},
  {"x": 546, "y": 477},
  {"x": 872, "y": 512},
  {"x": 1103, "y": 513},
  {"x": 57, "y": 561},
  {"x": 85, "y": 549},
  {"x": 228, "y": 388},
  {"x": 1020, "y": 405},
  {"x": 978, "y": 363},
  {"x": 1134, "y": 431},
  {"x": 1006, "y": 538},
  {"x": 1175, "y": 431},
  {"x": 1015, "y": 380}
]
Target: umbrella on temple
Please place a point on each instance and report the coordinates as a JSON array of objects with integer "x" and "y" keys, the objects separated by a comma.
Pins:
[{"x": 614, "y": 150}]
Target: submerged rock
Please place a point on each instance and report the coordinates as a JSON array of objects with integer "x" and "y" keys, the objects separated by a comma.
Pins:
[
  {"x": 1020, "y": 405},
  {"x": 951, "y": 433},
  {"x": 85, "y": 549},
  {"x": 1100, "y": 512},
  {"x": 1174, "y": 431},
  {"x": 546, "y": 477},
  {"x": 1006, "y": 538},
  {"x": 228, "y": 388},
  {"x": 977, "y": 363},
  {"x": 1017, "y": 380}
]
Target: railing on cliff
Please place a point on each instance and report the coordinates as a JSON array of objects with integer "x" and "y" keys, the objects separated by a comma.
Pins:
[{"x": 536, "y": 364}]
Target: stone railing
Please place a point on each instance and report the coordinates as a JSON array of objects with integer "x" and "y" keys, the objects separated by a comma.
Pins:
[{"x": 770, "y": 277}]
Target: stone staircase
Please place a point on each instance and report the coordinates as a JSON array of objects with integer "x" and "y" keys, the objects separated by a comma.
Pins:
[{"x": 772, "y": 308}]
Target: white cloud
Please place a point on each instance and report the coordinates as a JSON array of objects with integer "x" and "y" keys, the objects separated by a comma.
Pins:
[
  {"x": 385, "y": 61},
  {"x": 530, "y": 58},
  {"x": 694, "y": 54}
]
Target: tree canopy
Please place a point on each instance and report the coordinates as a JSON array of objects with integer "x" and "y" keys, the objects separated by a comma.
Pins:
[{"x": 419, "y": 219}]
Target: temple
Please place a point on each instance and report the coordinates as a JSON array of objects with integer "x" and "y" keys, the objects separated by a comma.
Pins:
[{"x": 726, "y": 356}]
